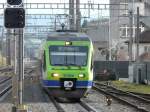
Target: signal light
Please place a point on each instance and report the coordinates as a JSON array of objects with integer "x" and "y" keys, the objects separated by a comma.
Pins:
[
  {"x": 14, "y": 18},
  {"x": 14, "y": 2}
]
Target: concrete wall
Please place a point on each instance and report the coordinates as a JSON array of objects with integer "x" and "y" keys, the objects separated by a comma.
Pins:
[
  {"x": 114, "y": 20},
  {"x": 98, "y": 31},
  {"x": 97, "y": 53}
]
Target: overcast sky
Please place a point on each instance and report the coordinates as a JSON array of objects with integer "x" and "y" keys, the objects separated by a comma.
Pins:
[
  {"x": 44, "y": 11},
  {"x": 54, "y": 1},
  {"x": 94, "y": 14},
  {"x": 62, "y": 1}
]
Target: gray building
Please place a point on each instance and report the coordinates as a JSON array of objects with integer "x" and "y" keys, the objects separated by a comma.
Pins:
[
  {"x": 120, "y": 23},
  {"x": 98, "y": 31}
]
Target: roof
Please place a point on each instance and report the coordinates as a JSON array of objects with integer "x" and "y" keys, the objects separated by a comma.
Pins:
[
  {"x": 144, "y": 37},
  {"x": 67, "y": 36},
  {"x": 145, "y": 56}
]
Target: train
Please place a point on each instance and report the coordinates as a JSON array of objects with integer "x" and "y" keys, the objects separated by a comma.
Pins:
[{"x": 67, "y": 64}]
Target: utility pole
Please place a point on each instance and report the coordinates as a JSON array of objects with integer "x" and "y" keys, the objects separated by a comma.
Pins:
[
  {"x": 131, "y": 20},
  {"x": 139, "y": 65},
  {"x": 137, "y": 35},
  {"x": 8, "y": 57},
  {"x": 78, "y": 15},
  {"x": 109, "y": 43},
  {"x": 55, "y": 28},
  {"x": 20, "y": 65},
  {"x": 131, "y": 36},
  {"x": 15, "y": 76},
  {"x": 89, "y": 7},
  {"x": 71, "y": 14},
  {"x": 2, "y": 46}
]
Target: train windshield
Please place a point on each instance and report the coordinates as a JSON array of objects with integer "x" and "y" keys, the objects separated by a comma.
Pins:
[{"x": 68, "y": 55}]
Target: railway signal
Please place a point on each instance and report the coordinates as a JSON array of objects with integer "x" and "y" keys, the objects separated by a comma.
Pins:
[
  {"x": 14, "y": 18},
  {"x": 14, "y": 2}
]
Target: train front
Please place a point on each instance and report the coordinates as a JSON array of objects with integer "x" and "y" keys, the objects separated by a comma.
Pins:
[{"x": 68, "y": 68}]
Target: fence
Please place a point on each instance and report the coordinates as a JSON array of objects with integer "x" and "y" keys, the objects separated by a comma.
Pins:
[{"x": 120, "y": 68}]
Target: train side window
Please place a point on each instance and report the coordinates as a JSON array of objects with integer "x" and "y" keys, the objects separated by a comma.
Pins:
[{"x": 44, "y": 61}]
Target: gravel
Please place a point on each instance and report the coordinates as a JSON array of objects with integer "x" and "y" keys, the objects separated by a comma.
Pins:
[
  {"x": 42, "y": 107},
  {"x": 74, "y": 107},
  {"x": 98, "y": 102},
  {"x": 5, "y": 107}
]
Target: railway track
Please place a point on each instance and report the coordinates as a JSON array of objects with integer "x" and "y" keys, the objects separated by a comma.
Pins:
[
  {"x": 56, "y": 104},
  {"x": 5, "y": 69},
  {"x": 5, "y": 81},
  {"x": 28, "y": 71},
  {"x": 145, "y": 96},
  {"x": 140, "y": 103},
  {"x": 112, "y": 89},
  {"x": 62, "y": 107},
  {"x": 86, "y": 106},
  {"x": 5, "y": 88}
]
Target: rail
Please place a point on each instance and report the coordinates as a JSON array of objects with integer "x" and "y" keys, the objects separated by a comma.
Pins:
[{"x": 123, "y": 98}]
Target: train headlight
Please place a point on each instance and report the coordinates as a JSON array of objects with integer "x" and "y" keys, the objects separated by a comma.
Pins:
[
  {"x": 68, "y": 43},
  {"x": 55, "y": 75},
  {"x": 81, "y": 75}
]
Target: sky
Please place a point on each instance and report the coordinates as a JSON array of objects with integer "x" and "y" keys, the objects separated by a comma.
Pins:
[
  {"x": 94, "y": 13},
  {"x": 62, "y": 1},
  {"x": 54, "y": 1}
]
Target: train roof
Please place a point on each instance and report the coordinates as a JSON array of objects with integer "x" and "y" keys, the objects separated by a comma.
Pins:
[{"x": 67, "y": 36}]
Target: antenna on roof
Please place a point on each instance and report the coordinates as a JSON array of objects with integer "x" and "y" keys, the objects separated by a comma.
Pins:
[{"x": 64, "y": 30}]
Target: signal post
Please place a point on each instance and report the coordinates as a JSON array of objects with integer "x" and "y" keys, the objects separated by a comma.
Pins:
[{"x": 14, "y": 18}]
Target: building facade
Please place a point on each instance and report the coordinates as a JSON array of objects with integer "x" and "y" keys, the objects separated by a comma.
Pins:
[
  {"x": 98, "y": 31},
  {"x": 120, "y": 23}
]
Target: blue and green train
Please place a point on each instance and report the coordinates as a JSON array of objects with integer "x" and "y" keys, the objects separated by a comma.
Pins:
[{"x": 67, "y": 67}]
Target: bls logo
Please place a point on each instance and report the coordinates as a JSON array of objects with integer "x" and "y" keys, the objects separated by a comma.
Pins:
[{"x": 68, "y": 84}]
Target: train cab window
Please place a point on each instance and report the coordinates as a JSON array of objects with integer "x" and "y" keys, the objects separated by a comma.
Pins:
[{"x": 69, "y": 55}]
